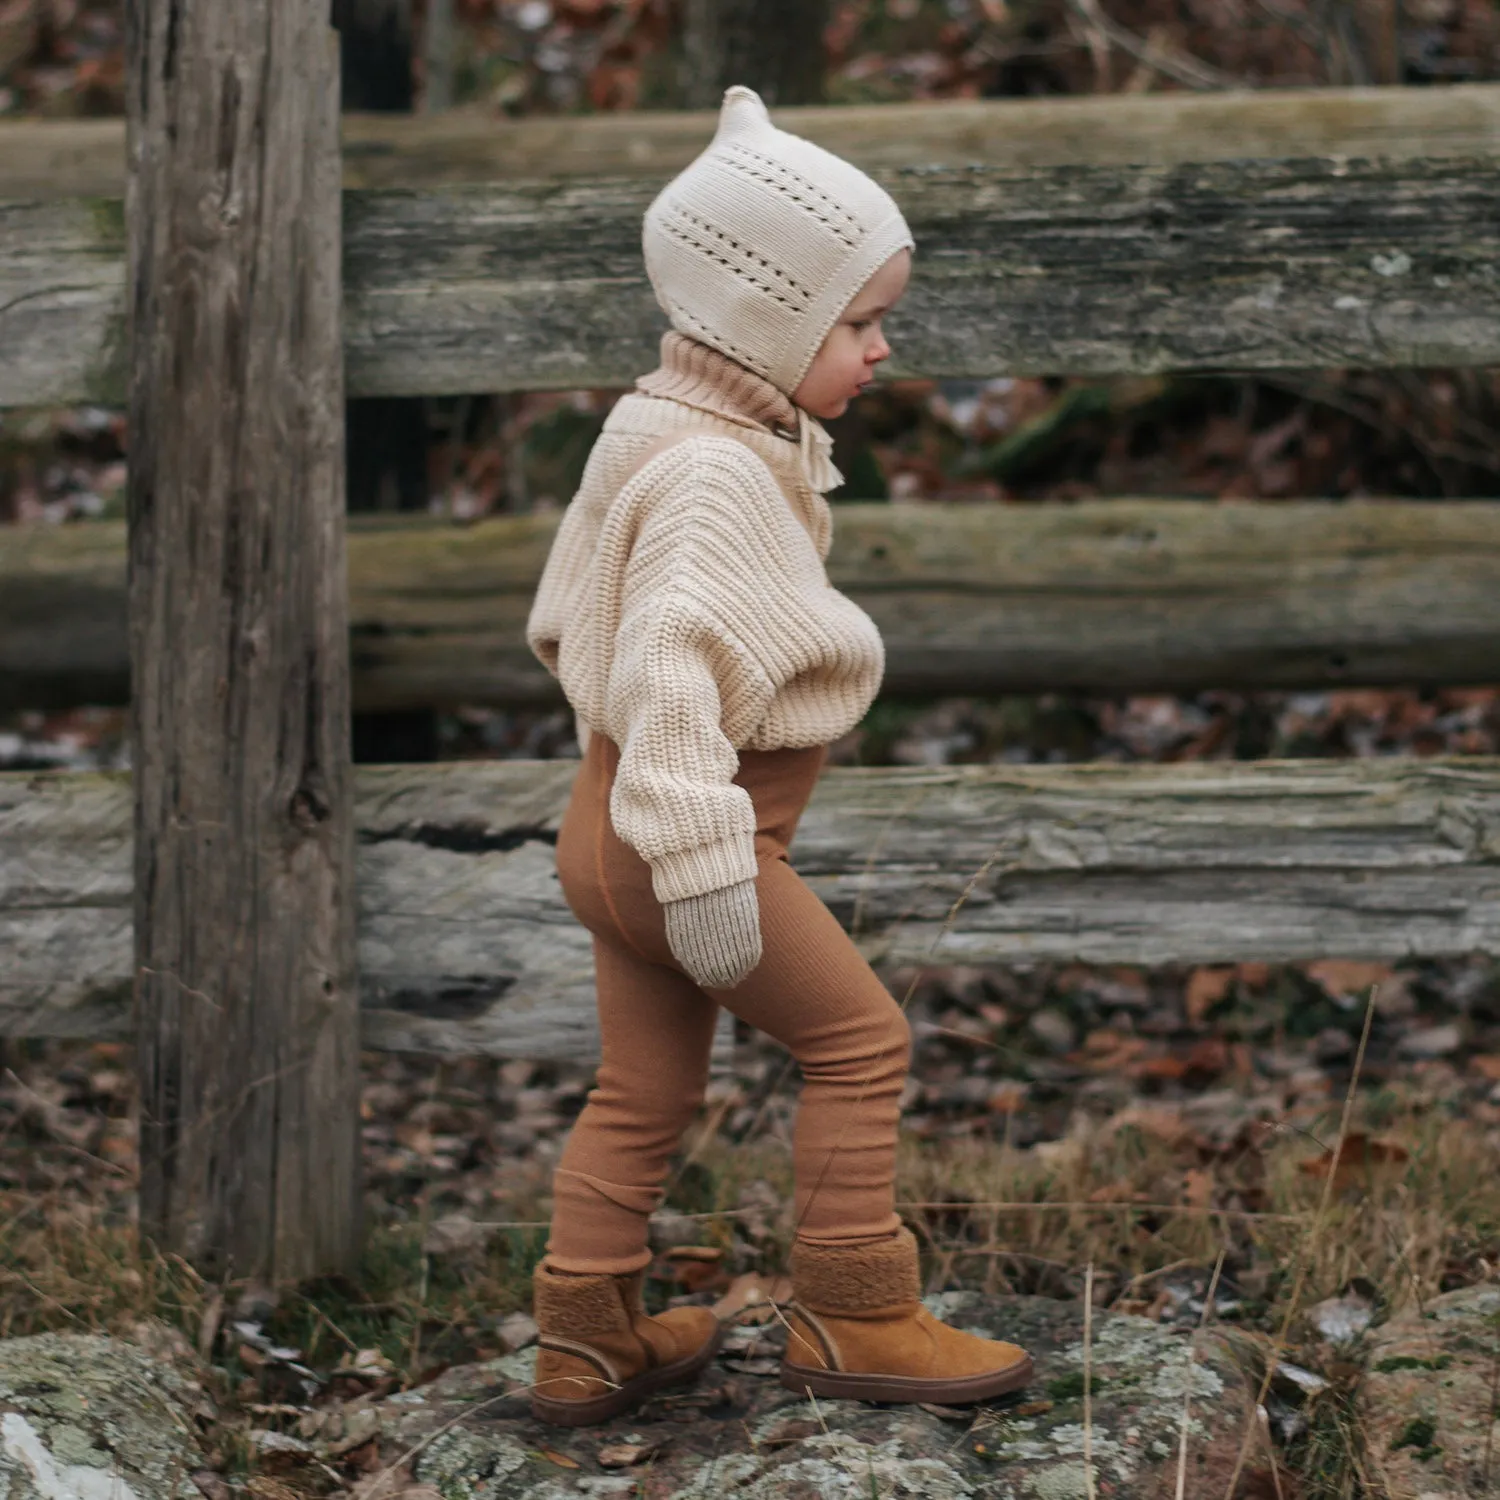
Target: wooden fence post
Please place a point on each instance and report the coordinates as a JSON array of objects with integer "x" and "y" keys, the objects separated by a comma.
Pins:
[
  {"x": 385, "y": 437},
  {"x": 244, "y": 954},
  {"x": 773, "y": 46}
]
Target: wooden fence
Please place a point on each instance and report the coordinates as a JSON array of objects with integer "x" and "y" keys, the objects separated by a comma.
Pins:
[
  {"x": 1187, "y": 233},
  {"x": 1201, "y": 258},
  {"x": 1177, "y": 234},
  {"x": 466, "y": 946},
  {"x": 1110, "y": 594}
]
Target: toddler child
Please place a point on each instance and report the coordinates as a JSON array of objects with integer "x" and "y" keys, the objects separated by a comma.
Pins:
[{"x": 685, "y": 609}]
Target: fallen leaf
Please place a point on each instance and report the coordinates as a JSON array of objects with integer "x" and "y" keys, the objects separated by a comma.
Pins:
[
  {"x": 368, "y": 1364},
  {"x": 1210, "y": 1055},
  {"x": 1007, "y": 1097},
  {"x": 1358, "y": 1153},
  {"x": 752, "y": 1290},
  {"x": 560, "y": 1459},
  {"x": 1487, "y": 1065},
  {"x": 698, "y": 1275},
  {"x": 946, "y": 1413},
  {"x": 1116, "y": 1192},
  {"x": 1108, "y": 1051},
  {"x": 1205, "y": 988},
  {"x": 390, "y": 1484},
  {"x": 1030, "y": 1409},
  {"x": 264, "y": 1487},
  {"x": 1197, "y": 1187},
  {"x": 1164, "y": 1121},
  {"x": 1103, "y": 1039},
  {"x": 1340, "y": 976},
  {"x": 365, "y": 1458},
  {"x": 624, "y": 1455},
  {"x": 359, "y": 1427},
  {"x": 1168, "y": 1067},
  {"x": 791, "y": 1432}
]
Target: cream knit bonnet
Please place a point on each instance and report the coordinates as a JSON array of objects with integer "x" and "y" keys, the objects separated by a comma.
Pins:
[{"x": 760, "y": 244}]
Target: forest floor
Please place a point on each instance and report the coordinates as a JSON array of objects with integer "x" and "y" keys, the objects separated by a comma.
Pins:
[{"x": 1142, "y": 1129}]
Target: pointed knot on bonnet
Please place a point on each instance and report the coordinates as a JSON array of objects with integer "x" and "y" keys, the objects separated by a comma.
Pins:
[{"x": 759, "y": 245}]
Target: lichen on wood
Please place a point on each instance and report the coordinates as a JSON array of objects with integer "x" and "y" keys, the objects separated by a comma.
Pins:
[
  {"x": 1117, "y": 595},
  {"x": 466, "y": 945},
  {"x": 1049, "y": 269}
]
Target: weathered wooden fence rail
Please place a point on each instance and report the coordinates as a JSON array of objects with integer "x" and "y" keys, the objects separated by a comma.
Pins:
[
  {"x": 86, "y": 158},
  {"x": 1243, "y": 265},
  {"x": 467, "y": 946},
  {"x": 1123, "y": 594},
  {"x": 1128, "y": 257}
]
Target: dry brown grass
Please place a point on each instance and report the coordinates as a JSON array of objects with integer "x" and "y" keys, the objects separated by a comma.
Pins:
[
  {"x": 1001, "y": 1219},
  {"x": 1137, "y": 1196}
]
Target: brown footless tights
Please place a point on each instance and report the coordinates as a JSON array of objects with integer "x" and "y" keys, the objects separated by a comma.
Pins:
[{"x": 811, "y": 991}]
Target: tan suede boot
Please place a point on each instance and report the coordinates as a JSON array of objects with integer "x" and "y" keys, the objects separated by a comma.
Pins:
[
  {"x": 599, "y": 1354},
  {"x": 858, "y": 1330}
]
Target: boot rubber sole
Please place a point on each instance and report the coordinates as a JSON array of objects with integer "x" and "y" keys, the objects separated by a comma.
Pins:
[
  {"x": 597, "y": 1409},
  {"x": 853, "y": 1386}
]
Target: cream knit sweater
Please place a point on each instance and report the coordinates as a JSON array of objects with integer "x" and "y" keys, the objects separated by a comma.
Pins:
[{"x": 686, "y": 611}]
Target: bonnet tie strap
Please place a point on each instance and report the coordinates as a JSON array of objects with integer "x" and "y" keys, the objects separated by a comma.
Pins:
[{"x": 815, "y": 450}]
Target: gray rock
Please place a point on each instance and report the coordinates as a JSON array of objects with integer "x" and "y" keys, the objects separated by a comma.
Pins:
[
  {"x": 1431, "y": 1041},
  {"x": 1053, "y": 1029},
  {"x": 84, "y": 1417},
  {"x": 1427, "y": 1399},
  {"x": 746, "y": 1435}
]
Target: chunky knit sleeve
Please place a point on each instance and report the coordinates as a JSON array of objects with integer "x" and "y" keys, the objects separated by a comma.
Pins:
[
  {"x": 562, "y": 574},
  {"x": 695, "y": 664}
]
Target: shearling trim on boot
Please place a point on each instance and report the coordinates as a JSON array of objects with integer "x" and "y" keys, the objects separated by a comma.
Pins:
[
  {"x": 855, "y": 1278},
  {"x": 576, "y": 1305}
]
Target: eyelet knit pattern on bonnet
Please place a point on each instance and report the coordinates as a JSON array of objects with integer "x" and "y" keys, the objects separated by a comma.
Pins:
[{"x": 760, "y": 244}]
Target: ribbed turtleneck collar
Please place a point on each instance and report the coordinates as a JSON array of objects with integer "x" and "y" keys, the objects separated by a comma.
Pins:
[{"x": 699, "y": 376}]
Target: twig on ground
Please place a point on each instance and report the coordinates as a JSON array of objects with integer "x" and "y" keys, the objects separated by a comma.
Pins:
[
  {"x": 1176, "y": 65},
  {"x": 379, "y": 1485},
  {"x": 1187, "y": 1375},
  {"x": 1489, "y": 1431},
  {"x": 1263, "y": 1421},
  {"x": 1088, "y": 1405},
  {"x": 1310, "y": 1246},
  {"x": 1166, "y": 1270},
  {"x": 1200, "y": 1211},
  {"x": 817, "y": 1412}
]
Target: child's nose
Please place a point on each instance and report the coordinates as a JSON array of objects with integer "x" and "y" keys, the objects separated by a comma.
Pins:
[{"x": 879, "y": 350}]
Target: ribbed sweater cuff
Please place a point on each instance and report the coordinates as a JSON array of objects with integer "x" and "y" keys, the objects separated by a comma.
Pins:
[{"x": 709, "y": 867}]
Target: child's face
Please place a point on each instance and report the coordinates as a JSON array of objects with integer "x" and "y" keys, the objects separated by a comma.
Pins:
[{"x": 845, "y": 364}]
